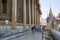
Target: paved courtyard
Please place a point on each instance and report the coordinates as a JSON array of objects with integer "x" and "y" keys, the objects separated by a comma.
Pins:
[{"x": 30, "y": 36}]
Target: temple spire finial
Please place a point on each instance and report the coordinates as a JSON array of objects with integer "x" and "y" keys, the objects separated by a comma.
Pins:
[{"x": 50, "y": 12}]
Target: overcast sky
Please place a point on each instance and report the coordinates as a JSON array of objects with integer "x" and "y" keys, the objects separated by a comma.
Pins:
[{"x": 45, "y": 7}]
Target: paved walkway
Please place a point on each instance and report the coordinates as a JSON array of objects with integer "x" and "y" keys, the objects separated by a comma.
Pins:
[{"x": 30, "y": 36}]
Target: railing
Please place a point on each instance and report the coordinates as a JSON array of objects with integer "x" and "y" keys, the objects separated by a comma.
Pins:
[
  {"x": 55, "y": 34},
  {"x": 46, "y": 34}
]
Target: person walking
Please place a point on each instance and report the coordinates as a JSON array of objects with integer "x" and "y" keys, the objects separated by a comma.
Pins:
[{"x": 33, "y": 29}]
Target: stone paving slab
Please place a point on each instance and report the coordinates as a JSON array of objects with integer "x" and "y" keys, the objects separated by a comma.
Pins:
[{"x": 30, "y": 36}]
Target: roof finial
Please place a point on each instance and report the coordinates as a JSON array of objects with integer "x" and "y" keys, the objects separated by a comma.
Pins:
[
  {"x": 50, "y": 12},
  {"x": 50, "y": 5}
]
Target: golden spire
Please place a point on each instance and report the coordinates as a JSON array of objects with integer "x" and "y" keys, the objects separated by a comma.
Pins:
[{"x": 50, "y": 12}]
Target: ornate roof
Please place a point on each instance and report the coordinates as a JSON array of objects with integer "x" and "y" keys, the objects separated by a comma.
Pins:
[
  {"x": 48, "y": 18},
  {"x": 50, "y": 14},
  {"x": 38, "y": 6},
  {"x": 58, "y": 17}
]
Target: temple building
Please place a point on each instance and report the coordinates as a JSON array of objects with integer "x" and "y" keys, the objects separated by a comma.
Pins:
[
  {"x": 58, "y": 21},
  {"x": 20, "y": 13},
  {"x": 51, "y": 20}
]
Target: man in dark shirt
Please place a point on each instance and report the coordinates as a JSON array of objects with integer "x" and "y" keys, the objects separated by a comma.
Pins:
[{"x": 33, "y": 29}]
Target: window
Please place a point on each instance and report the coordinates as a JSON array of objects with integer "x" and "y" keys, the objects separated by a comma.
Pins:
[{"x": 4, "y": 5}]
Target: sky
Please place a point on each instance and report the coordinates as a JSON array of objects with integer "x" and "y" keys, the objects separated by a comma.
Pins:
[{"x": 45, "y": 7}]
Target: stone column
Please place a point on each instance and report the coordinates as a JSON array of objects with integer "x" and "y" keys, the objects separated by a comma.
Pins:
[
  {"x": 24, "y": 9},
  {"x": 0, "y": 6},
  {"x": 14, "y": 11},
  {"x": 33, "y": 12},
  {"x": 29, "y": 14},
  {"x": 37, "y": 18}
]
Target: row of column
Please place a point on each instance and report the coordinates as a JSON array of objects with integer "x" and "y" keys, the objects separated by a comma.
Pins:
[{"x": 35, "y": 14}]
